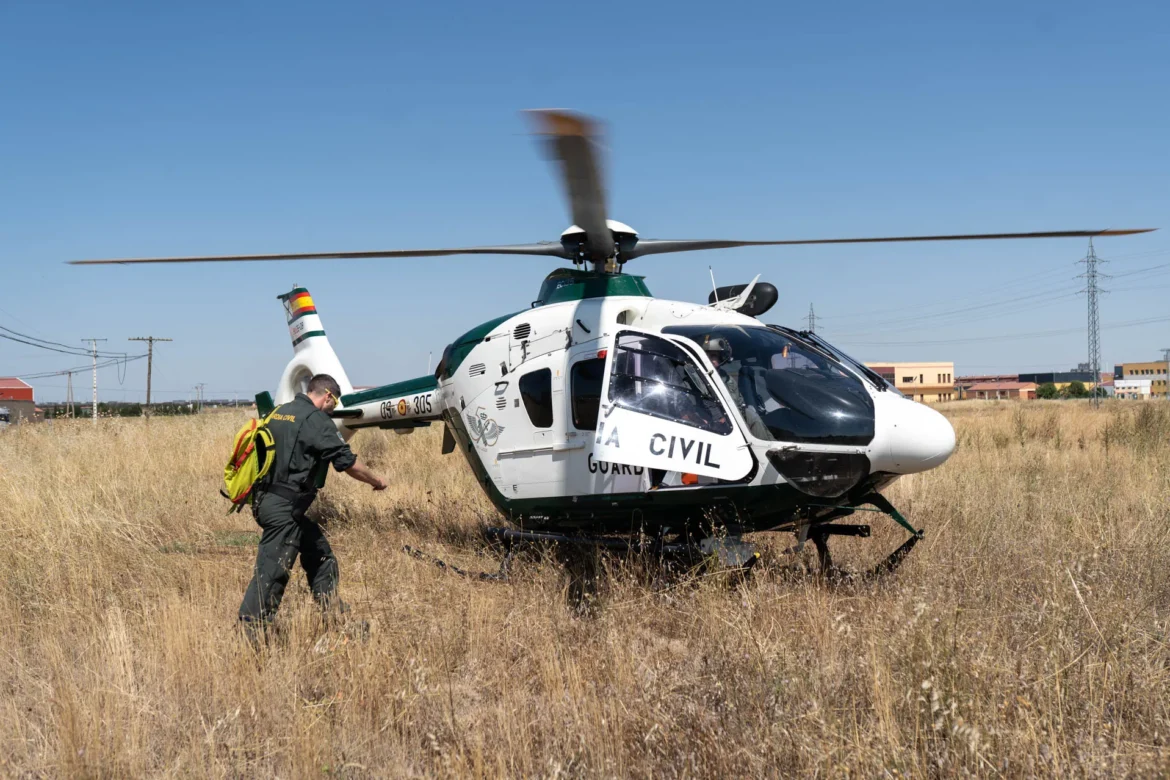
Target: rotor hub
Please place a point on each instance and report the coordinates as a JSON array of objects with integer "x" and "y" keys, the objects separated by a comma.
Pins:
[{"x": 575, "y": 241}]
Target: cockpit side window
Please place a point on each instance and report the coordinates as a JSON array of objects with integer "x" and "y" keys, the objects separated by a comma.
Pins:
[{"x": 653, "y": 376}]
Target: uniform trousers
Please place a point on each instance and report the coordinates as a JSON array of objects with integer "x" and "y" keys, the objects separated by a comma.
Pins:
[{"x": 287, "y": 533}]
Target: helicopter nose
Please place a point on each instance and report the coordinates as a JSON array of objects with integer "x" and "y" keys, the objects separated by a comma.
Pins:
[{"x": 919, "y": 437}]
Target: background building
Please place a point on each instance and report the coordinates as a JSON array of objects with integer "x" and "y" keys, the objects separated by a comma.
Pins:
[
  {"x": 964, "y": 384},
  {"x": 17, "y": 397},
  {"x": 1132, "y": 389},
  {"x": 927, "y": 382},
  {"x": 994, "y": 391},
  {"x": 1063, "y": 379},
  {"x": 1152, "y": 371}
]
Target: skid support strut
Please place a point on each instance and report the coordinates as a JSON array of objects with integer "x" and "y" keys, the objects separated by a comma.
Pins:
[
  {"x": 819, "y": 534},
  {"x": 894, "y": 560}
]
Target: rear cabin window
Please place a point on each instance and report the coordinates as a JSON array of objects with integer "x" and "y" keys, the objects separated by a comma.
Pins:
[
  {"x": 585, "y": 382},
  {"x": 536, "y": 390}
]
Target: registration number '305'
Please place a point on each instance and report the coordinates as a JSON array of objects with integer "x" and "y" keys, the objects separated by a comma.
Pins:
[{"x": 403, "y": 407}]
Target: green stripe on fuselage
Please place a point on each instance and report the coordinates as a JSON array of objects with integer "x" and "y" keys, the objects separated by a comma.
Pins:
[
  {"x": 459, "y": 348},
  {"x": 422, "y": 384}
]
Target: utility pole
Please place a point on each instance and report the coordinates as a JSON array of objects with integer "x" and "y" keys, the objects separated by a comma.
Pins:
[
  {"x": 69, "y": 394},
  {"x": 93, "y": 347},
  {"x": 149, "y": 362},
  {"x": 812, "y": 319},
  {"x": 1091, "y": 291},
  {"x": 199, "y": 390}
]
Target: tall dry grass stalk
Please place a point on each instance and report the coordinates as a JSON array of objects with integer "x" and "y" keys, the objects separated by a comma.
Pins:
[{"x": 1028, "y": 635}]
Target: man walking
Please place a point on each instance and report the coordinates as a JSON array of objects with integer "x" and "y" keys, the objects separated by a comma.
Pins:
[{"x": 306, "y": 441}]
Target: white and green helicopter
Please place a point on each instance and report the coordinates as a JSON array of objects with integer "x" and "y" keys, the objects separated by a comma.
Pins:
[{"x": 601, "y": 414}]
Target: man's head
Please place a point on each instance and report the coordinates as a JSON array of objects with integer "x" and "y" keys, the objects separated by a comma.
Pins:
[
  {"x": 717, "y": 349},
  {"x": 324, "y": 392}
]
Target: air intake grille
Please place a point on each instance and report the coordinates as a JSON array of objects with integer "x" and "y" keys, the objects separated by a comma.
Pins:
[
  {"x": 476, "y": 369},
  {"x": 501, "y": 402},
  {"x": 522, "y": 331}
]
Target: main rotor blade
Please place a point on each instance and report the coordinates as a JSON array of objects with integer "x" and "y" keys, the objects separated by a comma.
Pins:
[
  {"x": 658, "y": 246},
  {"x": 545, "y": 249},
  {"x": 572, "y": 140}
]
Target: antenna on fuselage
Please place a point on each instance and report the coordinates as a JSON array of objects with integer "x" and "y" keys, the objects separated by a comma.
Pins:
[{"x": 713, "y": 287}]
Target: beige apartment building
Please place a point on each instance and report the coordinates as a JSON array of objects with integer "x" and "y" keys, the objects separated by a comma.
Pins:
[{"x": 926, "y": 382}]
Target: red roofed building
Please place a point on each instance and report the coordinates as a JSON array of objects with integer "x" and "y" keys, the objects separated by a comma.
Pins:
[
  {"x": 16, "y": 396},
  {"x": 993, "y": 391},
  {"x": 13, "y": 389}
]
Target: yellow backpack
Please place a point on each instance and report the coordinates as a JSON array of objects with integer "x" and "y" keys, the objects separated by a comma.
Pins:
[{"x": 252, "y": 457}]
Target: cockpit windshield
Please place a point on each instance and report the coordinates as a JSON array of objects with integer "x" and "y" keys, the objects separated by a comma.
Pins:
[{"x": 786, "y": 389}]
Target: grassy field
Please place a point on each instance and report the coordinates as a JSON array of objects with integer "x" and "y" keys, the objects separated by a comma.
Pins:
[{"x": 1027, "y": 635}]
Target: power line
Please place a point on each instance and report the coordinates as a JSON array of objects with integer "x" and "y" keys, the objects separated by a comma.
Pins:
[
  {"x": 53, "y": 346},
  {"x": 1003, "y": 336},
  {"x": 990, "y": 310},
  {"x": 997, "y": 292},
  {"x": 37, "y": 338},
  {"x": 989, "y": 314},
  {"x": 79, "y": 369},
  {"x": 42, "y": 346},
  {"x": 1137, "y": 255}
]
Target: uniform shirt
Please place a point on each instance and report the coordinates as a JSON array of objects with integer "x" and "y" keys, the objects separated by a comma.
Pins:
[
  {"x": 737, "y": 378},
  {"x": 306, "y": 439}
]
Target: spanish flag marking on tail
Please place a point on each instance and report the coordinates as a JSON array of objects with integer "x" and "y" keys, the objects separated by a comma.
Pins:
[{"x": 301, "y": 304}]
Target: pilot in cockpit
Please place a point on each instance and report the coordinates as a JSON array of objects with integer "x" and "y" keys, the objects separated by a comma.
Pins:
[{"x": 738, "y": 379}]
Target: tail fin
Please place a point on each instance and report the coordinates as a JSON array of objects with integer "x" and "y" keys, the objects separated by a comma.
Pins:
[{"x": 312, "y": 353}]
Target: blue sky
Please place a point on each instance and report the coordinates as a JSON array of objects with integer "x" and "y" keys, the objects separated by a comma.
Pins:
[{"x": 155, "y": 129}]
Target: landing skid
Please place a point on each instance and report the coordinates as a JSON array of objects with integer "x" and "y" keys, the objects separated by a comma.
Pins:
[{"x": 729, "y": 553}]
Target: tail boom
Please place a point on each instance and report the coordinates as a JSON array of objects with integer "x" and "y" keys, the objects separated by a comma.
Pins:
[{"x": 404, "y": 405}]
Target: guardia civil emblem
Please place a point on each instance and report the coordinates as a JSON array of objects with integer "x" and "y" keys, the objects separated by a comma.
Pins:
[{"x": 484, "y": 429}]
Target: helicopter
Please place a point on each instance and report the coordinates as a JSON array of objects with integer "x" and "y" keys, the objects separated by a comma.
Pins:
[{"x": 601, "y": 415}]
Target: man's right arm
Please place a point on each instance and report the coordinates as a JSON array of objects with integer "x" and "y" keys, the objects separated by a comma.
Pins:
[
  {"x": 361, "y": 473},
  {"x": 324, "y": 439}
]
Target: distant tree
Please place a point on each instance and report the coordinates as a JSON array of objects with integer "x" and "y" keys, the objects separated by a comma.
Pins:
[
  {"x": 168, "y": 409},
  {"x": 1047, "y": 390},
  {"x": 1076, "y": 390}
]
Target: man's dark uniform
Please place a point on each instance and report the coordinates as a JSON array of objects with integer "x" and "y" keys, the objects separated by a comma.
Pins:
[{"x": 306, "y": 440}]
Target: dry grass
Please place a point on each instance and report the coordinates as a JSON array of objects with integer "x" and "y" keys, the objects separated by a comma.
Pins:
[{"x": 1026, "y": 636}]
